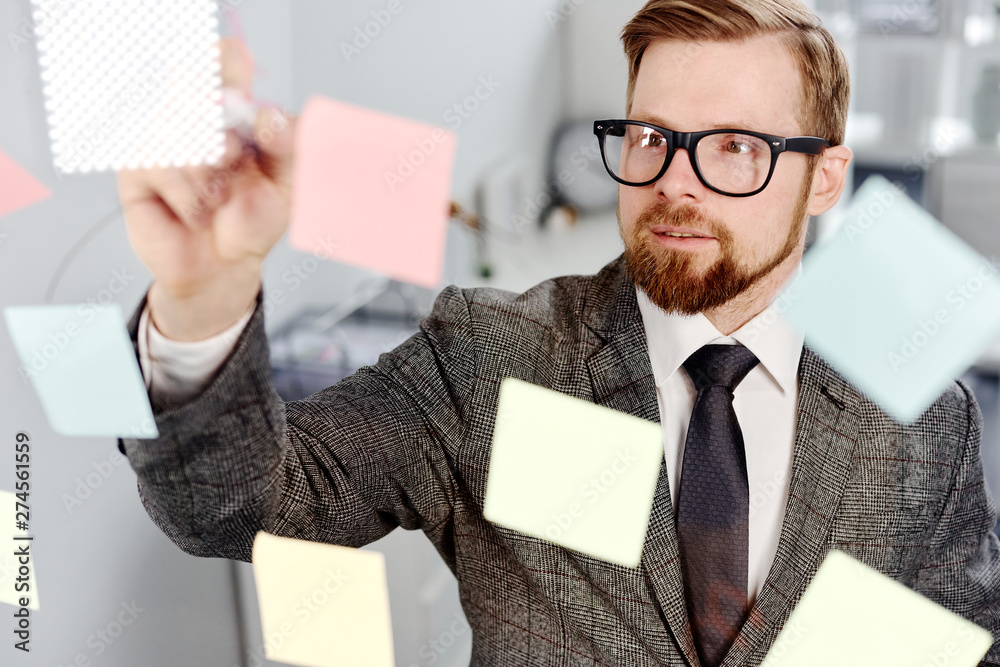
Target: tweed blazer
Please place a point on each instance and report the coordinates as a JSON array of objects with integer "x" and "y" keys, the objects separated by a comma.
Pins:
[{"x": 406, "y": 442}]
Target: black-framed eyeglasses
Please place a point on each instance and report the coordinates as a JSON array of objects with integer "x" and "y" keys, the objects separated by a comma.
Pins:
[{"x": 735, "y": 163}]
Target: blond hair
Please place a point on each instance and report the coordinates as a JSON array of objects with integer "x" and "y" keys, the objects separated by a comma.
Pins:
[{"x": 826, "y": 86}]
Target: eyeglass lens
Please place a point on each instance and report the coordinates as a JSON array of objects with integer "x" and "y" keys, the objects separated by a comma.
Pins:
[{"x": 732, "y": 162}]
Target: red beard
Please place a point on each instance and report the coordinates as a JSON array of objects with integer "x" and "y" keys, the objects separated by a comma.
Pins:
[{"x": 667, "y": 276}]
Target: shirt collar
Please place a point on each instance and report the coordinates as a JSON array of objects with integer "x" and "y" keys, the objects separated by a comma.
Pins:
[{"x": 673, "y": 338}]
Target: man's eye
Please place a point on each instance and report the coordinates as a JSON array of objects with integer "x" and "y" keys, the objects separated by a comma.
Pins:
[
  {"x": 653, "y": 140},
  {"x": 738, "y": 148}
]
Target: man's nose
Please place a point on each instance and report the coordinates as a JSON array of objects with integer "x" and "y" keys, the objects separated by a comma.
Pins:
[{"x": 680, "y": 184}]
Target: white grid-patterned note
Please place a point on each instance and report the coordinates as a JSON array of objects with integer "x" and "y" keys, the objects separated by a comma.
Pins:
[{"x": 130, "y": 83}]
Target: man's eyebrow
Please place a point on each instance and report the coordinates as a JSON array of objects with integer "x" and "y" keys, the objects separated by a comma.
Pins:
[
  {"x": 649, "y": 118},
  {"x": 738, "y": 125},
  {"x": 655, "y": 120}
]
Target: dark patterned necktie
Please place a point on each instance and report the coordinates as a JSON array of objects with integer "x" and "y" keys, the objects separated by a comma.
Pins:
[{"x": 713, "y": 503}]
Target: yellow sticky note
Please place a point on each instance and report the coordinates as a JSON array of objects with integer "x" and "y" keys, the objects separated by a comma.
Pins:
[
  {"x": 322, "y": 605},
  {"x": 853, "y": 615},
  {"x": 572, "y": 472},
  {"x": 14, "y": 583}
]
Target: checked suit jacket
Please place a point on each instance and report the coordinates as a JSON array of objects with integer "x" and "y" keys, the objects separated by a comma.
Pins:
[{"x": 406, "y": 442}]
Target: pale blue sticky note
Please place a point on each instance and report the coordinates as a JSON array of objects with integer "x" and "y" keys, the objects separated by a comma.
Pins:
[
  {"x": 81, "y": 363},
  {"x": 895, "y": 301},
  {"x": 571, "y": 472}
]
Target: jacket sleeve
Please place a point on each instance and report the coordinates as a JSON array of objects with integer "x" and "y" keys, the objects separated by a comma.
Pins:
[
  {"x": 962, "y": 571},
  {"x": 343, "y": 466},
  {"x": 177, "y": 372}
]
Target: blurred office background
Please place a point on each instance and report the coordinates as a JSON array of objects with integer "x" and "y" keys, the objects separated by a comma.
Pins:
[{"x": 925, "y": 113}]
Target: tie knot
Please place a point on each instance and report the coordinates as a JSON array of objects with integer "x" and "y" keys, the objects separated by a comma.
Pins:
[{"x": 722, "y": 365}]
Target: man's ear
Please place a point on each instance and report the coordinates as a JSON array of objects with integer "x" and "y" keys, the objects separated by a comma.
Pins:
[{"x": 829, "y": 178}]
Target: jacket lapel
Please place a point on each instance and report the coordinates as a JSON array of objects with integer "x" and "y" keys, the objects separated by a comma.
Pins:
[
  {"x": 827, "y": 426},
  {"x": 622, "y": 379}
]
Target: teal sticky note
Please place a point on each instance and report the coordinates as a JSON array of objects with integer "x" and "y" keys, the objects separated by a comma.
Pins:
[
  {"x": 81, "y": 363},
  {"x": 571, "y": 472},
  {"x": 896, "y": 302},
  {"x": 853, "y": 615}
]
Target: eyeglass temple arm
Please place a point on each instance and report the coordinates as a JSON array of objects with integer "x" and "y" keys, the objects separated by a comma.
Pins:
[
  {"x": 609, "y": 125},
  {"x": 808, "y": 145}
]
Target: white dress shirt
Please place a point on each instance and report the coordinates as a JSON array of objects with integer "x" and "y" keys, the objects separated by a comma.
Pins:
[
  {"x": 765, "y": 401},
  {"x": 182, "y": 370}
]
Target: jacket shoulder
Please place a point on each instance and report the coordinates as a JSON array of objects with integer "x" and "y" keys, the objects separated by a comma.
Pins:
[{"x": 560, "y": 309}]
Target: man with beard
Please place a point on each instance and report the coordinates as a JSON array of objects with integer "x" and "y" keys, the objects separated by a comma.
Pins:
[{"x": 733, "y": 136}]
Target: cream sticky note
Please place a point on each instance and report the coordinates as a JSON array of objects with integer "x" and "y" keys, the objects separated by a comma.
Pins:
[
  {"x": 17, "y": 572},
  {"x": 895, "y": 301},
  {"x": 18, "y": 188},
  {"x": 853, "y": 615},
  {"x": 322, "y": 605},
  {"x": 81, "y": 363},
  {"x": 372, "y": 190},
  {"x": 572, "y": 472}
]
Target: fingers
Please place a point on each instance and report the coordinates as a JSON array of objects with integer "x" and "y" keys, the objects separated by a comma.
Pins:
[
  {"x": 211, "y": 189},
  {"x": 268, "y": 153},
  {"x": 166, "y": 190},
  {"x": 213, "y": 183},
  {"x": 274, "y": 131},
  {"x": 193, "y": 194},
  {"x": 132, "y": 186},
  {"x": 180, "y": 194}
]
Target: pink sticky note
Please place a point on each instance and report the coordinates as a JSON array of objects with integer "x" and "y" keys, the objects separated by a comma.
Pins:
[
  {"x": 372, "y": 190},
  {"x": 18, "y": 188}
]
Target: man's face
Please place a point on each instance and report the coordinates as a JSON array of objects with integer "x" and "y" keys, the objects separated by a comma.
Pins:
[{"x": 753, "y": 85}]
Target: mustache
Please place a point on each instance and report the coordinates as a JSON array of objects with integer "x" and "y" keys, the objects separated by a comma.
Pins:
[{"x": 663, "y": 213}]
